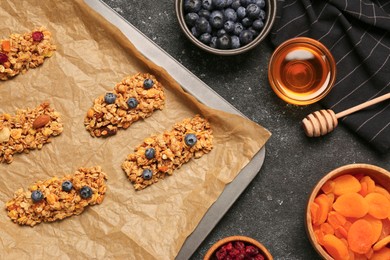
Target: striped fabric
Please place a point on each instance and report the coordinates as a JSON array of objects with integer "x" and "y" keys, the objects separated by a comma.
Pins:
[{"x": 358, "y": 35}]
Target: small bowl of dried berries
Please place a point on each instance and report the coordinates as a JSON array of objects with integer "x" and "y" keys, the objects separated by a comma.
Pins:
[
  {"x": 238, "y": 247},
  {"x": 226, "y": 27}
]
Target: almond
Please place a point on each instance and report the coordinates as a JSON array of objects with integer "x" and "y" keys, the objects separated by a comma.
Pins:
[{"x": 40, "y": 121}]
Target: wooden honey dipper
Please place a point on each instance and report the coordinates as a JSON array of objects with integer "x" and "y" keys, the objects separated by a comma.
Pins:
[{"x": 324, "y": 121}]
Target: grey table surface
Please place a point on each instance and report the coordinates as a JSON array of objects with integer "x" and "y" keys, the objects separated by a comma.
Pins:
[{"x": 272, "y": 207}]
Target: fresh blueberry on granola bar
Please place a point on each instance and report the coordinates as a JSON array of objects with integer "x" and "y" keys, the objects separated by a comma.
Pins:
[
  {"x": 37, "y": 196},
  {"x": 86, "y": 192},
  {"x": 190, "y": 139},
  {"x": 110, "y": 98},
  {"x": 147, "y": 174},
  {"x": 148, "y": 83},
  {"x": 67, "y": 186},
  {"x": 132, "y": 102},
  {"x": 150, "y": 153}
]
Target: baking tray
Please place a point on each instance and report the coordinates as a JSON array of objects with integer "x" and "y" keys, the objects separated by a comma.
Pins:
[{"x": 207, "y": 96}]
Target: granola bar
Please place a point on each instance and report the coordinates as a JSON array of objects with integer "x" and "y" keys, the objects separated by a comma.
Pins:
[
  {"x": 135, "y": 97},
  {"x": 28, "y": 129},
  {"x": 58, "y": 198},
  {"x": 159, "y": 155},
  {"x": 20, "y": 52}
]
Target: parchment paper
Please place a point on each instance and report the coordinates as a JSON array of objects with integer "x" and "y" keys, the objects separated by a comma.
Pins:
[{"x": 92, "y": 56}]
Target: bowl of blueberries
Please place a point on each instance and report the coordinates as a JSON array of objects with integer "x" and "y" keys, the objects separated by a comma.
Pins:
[{"x": 226, "y": 27}]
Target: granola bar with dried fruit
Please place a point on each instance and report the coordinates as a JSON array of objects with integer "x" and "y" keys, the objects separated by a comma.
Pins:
[
  {"x": 159, "y": 155},
  {"x": 135, "y": 97},
  {"x": 28, "y": 129},
  {"x": 58, "y": 198},
  {"x": 20, "y": 52}
]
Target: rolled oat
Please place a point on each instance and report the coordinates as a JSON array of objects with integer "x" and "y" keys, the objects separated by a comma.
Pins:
[
  {"x": 28, "y": 129},
  {"x": 20, "y": 52},
  {"x": 131, "y": 100},
  {"x": 159, "y": 155},
  {"x": 57, "y": 203}
]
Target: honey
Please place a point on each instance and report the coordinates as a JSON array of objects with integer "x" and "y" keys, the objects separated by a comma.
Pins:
[{"x": 301, "y": 71}]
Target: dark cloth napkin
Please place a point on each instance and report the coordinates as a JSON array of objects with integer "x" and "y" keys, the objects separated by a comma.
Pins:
[{"x": 357, "y": 33}]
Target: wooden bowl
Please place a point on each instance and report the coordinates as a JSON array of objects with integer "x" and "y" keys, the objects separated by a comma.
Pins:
[
  {"x": 379, "y": 175},
  {"x": 210, "y": 254}
]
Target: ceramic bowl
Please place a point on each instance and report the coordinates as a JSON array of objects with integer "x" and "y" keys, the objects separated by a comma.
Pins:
[
  {"x": 379, "y": 175},
  {"x": 210, "y": 254},
  {"x": 270, "y": 9}
]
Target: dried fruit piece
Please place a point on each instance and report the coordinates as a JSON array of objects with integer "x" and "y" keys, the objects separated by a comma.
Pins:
[
  {"x": 323, "y": 209},
  {"x": 360, "y": 236},
  {"x": 37, "y": 36},
  {"x": 378, "y": 205},
  {"x": 335, "y": 247},
  {"x": 3, "y": 58},
  {"x": 6, "y": 45},
  {"x": 381, "y": 243},
  {"x": 346, "y": 184},
  {"x": 383, "y": 254},
  {"x": 351, "y": 205}
]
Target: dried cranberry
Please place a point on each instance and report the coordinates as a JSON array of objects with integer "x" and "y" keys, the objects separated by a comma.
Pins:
[
  {"x": 228, "y": 246},
  {"x": 234, "y": 252},
  {"x": 3, "y": 58},
  {"x": 259, "y": 257},
  {"x": 37, "y": 36},
  {"x": 251, "y": 251},
  {"x": 239, "y": 245},
  {"x": 221, "y": 254}
]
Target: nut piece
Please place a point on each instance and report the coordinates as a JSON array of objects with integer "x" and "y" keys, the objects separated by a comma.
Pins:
[
  {"x": 4, "y": 134},
  {"x": 40, "y": 121}
]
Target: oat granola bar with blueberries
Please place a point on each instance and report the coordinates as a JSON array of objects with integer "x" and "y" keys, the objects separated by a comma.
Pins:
[
  {"x": 20, "y": 52},
  {"x": 135, "y": 97},
  {"x": 159, "y": 155},
  {"x": 58, "y": 198},
  {"x": 28, "y": 129}
]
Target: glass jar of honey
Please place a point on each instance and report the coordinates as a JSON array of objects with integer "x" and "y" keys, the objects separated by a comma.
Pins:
[{"x": 301, "y": 71}]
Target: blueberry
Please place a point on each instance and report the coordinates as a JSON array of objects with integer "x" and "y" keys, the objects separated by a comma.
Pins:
[
  {"x": 219, "y": 4},
  {"x": 241, "y": 12},
  {"x": 228, "y": 3},
  {"x": 205, "y": 38},
  {"x": 254, "y": 32},
  {"x": 202, "y": 25},
  {"x": 246, "y": 22},
  {"x": 150, "y": 153},
  {"x": 147, "y": 174},
  {"x": 194, "y": 32},
  {"x": 236, "y": 4},
  {"x": 192, "y": 6},
  {"x": 132, "y": 102},
  {"x": 253, "y": 11},
  {"x": 238, "y": 28},
  {"x": 213, "y": 42},
  {"x": 258, "y": 24},
  {"x": 224, "y": 42},
  {"x": 86, "y": 192},
  {"x": 148, "y": 83},
  {"x": 260, "y": 3},
  {"x": 191, "y": 18},
  {"x": 67, "y": 186},
  {"x": 36, "y": 196},
  {"x": 204, "y": 13},
  {"x": 216, "y": 19},
  {"x": 262, "y": 14},
  {"x": 230, "y": 15},
  {"x": 229, "y": 26},
  {"x": 207, "y": 4},
  {"x": 246, "y": 37},
  {"x": 110, "y": 98},
  {"x": 235, "y": 42},
  {"x": 221, "y": 32},
  {"x": 190, "y": 139},
  {"x": 244, "y": 3}
]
